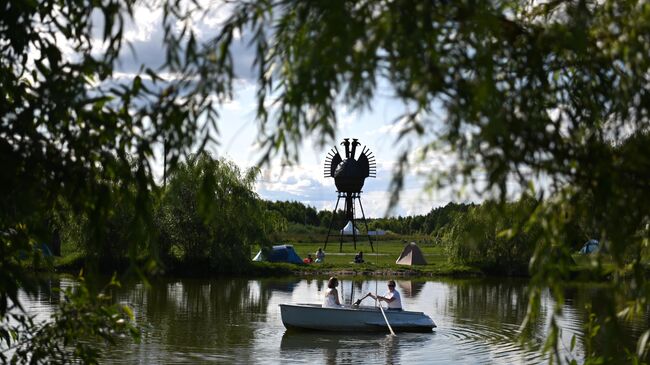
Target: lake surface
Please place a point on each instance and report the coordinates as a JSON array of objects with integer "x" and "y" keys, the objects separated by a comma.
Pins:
[{"x": 238, "y": 321}]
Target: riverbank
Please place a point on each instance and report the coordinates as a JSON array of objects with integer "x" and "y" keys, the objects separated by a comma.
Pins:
[
  {"x": 379, "y": 262},
  {"x": 75, "y": 263},
  {"x": 364, "y": 270}
]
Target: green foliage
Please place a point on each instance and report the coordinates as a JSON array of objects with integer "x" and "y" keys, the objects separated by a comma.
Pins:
[
  {"x": 126, "y": 231},
  {"x": 209, "y": 215},
  {"x": 295, "y": 212},
  {"x": 490, "y": 236},
  {"x": 16, "y": 250},
  {"x": 431, "y": 223}
]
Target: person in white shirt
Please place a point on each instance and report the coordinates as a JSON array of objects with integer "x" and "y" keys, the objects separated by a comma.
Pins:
[
  {"x": 392, "y": 297},
  {"x": 320, "y": 255},
  {"x": 331, "y": 299}
]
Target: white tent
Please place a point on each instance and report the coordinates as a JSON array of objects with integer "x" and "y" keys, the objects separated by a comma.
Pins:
[{"x": 347, "y": 230}]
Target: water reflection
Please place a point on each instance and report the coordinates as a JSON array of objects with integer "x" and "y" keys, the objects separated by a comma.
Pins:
[
  {"x": 410, "y": 288},
  {"x": 198, "y": 317},
  {"x": 282, "y": 285},
  {"x": 602, "y": 303},
  {"x": 333, "y": 348},
  {"x": 238, "y": 321}
]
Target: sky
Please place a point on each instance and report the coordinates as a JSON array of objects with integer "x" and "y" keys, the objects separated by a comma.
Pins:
[{"x": 376, "y": 128}]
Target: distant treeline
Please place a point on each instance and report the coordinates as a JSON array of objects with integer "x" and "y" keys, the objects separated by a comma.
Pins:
[{"x": 427, "y": 224}]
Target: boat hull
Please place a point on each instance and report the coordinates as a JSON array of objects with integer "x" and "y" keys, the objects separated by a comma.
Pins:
[{"x": 351, "y": 318}]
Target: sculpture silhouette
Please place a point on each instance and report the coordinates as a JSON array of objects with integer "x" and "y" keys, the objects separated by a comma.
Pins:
[{"x": 349, "y": 176}]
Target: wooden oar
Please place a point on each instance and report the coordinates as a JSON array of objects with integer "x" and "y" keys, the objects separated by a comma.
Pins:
[{"x": 386, "y": 319}]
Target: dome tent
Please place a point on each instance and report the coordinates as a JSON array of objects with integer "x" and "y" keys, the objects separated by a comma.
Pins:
[
  {"x": 411, "y": 255},
  {"x": 591, "y": 246},
  {"x": 280, "y": 253}
]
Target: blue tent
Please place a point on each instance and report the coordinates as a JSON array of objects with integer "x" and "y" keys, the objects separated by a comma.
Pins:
[
  {"x": 45, "y": 249},
  {"x": 591, "y": 246},
  {"x": 280, "y": 253}
]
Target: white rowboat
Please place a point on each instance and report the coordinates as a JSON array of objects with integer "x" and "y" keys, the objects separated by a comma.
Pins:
[{"x": 352, "y": 318}]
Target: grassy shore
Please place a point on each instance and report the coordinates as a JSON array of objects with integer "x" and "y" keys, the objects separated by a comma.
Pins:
[{"x": 379, "y": 261}]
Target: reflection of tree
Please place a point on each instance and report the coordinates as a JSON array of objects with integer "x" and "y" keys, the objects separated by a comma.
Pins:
[
  {"x": 490, "y": 301},
  {"x": 602, "y": 303},
  {"x": 351, "y": 290},
  {"x": 213, "y": 316},
  {"x": 46, "y": 290},
  {"x": 282, "y": 285},
  {"x": 493, "y": 310},
  {"x": 50, "y": 290},
  {"x": 358, "y": 284}
]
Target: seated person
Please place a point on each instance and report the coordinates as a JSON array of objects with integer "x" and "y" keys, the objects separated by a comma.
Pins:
[
  {"x": 331, "y": 299},
  {"x": 308, "y": 259},
  {"x": 358, "y": 259},
  {"x": 392, "y": 297},
  {"x": 320, "y": 255}
]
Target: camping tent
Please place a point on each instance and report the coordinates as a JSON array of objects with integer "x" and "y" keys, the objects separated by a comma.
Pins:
[
  {"x": 347, "y": 230},
  {"x": 280, "y": 253},
  {"x": 411, "y": 255},
  {"x": 591, "y": 246}
]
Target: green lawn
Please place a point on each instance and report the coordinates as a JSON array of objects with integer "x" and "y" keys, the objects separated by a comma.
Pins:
[
  {"x": 385, "y": 252},
  {"x": 381, "y": 260}
]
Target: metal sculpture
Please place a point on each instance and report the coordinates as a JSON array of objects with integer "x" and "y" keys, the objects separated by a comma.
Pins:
[{"x": 349, "y": 176}]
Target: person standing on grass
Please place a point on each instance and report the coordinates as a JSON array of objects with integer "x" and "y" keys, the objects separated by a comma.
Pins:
[{"x": 392, "y": 297}]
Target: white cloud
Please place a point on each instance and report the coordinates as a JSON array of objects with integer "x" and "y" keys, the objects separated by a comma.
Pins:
[
  {"x": 145, "y": 21},
  {"x": 393, "y": 128}
]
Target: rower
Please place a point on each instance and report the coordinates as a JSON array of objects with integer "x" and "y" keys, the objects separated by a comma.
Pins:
[{"x": 392, "y": 297}]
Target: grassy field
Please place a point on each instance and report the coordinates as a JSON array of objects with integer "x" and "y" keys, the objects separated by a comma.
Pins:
[
  {"x": 379, "y": 262},
  {"x": 385, "y": 252}
]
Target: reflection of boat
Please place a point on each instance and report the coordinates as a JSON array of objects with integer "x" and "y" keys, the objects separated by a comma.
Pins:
[
  {"x": 351, "y": 318},
  {"x": 338, "y": 348}
]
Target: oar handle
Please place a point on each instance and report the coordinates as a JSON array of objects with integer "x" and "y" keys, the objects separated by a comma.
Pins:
[{"x": 359, "y": 300}]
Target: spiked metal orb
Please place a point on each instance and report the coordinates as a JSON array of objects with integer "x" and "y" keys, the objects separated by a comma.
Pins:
[{"x": 349, "y": 176}]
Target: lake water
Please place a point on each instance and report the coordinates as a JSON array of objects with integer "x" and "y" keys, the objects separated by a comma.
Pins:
[{"x": 238, "y": 321}]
